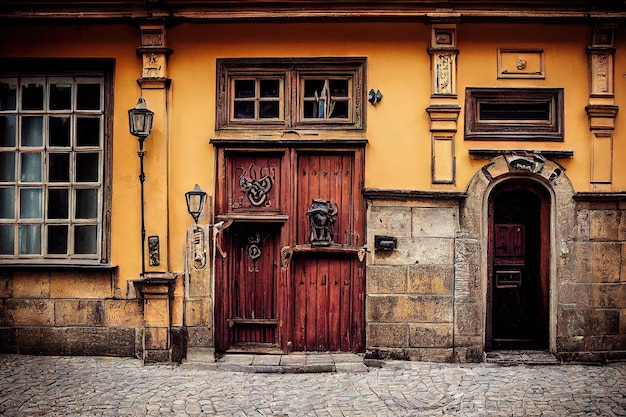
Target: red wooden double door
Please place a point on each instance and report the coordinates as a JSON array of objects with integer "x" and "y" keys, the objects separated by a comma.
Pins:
[{"x": 274, "y": 290}]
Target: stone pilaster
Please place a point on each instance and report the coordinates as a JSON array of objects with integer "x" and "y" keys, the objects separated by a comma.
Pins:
[
  {"x": 443, "y": 110},
  {"x": 157, "y": 293},
  {"x": 601, "y": 110}
]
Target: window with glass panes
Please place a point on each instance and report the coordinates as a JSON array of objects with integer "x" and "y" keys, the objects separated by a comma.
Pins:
[
  {"x": 51, "y": 166},
  {"x": 297, "y": 93}
]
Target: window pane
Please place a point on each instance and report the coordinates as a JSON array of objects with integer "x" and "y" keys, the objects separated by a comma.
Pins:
[
  {"x": 313, "y": 88},
  {"x": 8, "y": 94},
  {"x": 59, "y": 167},
  {"x": 58, "y": 203},
  {"x": 7, "y": 203},
  {"x": 7, "y": 131},
  {"x": 85, "y": 239},
  {"x": 87, "y": 167},
  {"x": 57, "y": 239},
  {"x": 269, "y": 109},
  {"x": 30, "y": 203},
  {"x": 29, "y": 239},
  {"x": 339, "y": 88},
  {"x": 59, "y": 131},
  {"x": 87, "y": 131},
  {"x": 31, "y": 167},
  {"x": 270, "y": 88},
  {"x": 244, "y": 110},
  {"x": 514, "y": 111},
  {"x": 88, "y": 96},
  {"x": 86, "y": 204},
  {"x": 7, "y": 239},
  {"x": 339, "y": 110},
  {"x": 311, "y": 109},
  {"x": 7, "y": 166},
  {"x": 60, "y": 96},
  {"x": 244, "y": 88},
  {"x": 32, "y": 130},
  {"x": 32, "y": 95}
]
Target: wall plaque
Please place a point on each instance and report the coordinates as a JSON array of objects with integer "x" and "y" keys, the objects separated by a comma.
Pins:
[{"x": 521, "y": 63}]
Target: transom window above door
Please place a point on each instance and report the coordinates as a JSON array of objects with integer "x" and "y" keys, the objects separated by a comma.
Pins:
[{"x": 320, "y": 93}]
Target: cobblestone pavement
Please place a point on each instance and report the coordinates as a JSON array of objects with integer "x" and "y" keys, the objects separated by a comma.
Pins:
[{"x": 95, "y": 386}]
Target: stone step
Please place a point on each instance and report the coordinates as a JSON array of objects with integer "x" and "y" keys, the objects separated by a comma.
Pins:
[{"x": 520, "y": 357}]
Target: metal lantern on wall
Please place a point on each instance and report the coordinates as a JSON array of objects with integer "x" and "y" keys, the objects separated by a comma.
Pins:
[
  {"x": 195, "y": 202},
  {"x": 140, "y": 124},
  {"x": 140, "y": 119}
]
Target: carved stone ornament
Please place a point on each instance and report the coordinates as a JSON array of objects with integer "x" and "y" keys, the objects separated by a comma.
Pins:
[
  {"x": 322, "y": 217},
  {"x": 154, "y": 66},
  {"x": 530, "y": 163},
  {"x": 258, "y": 185},
  {"x": 444, "y": 68},
  {"x": 600, "y": 73}
]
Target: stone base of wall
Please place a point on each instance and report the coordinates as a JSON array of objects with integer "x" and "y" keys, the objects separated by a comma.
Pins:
[
  {"x": 76, "y": 341},
  {"x": 593, "y": 357},
  {"x": 411, "y": 354}
]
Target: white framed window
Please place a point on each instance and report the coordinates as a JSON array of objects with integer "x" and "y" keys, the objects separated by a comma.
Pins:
[{"x": 52, "y": 168}]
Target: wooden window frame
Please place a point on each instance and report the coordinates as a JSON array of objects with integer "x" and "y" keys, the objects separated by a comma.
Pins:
[
  {"x": 293, "y": 72},
  {"x": 101, "y": 70},
  {"x": 523, "y": 129}
]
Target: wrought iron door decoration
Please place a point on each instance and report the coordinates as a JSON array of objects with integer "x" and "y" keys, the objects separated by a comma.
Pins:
[
  {"x": 257, "y": 186},
  {"x": 322, "y": 217},
  {"x": 254, "y": 246}
]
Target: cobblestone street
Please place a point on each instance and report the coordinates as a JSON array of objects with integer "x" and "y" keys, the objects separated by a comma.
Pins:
[{"x": 94, "y": 386}]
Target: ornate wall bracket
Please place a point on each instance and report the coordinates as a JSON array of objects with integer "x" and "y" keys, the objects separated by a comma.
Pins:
[{"x": 287, "y": 253}]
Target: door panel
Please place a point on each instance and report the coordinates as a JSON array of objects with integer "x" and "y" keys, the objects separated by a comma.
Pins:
[
  {"x": 519, "y": 233},
  {"x": 328, "y": 288},
  {"x": 251, "y": 286},
  {"x": 312, "y": 300}
]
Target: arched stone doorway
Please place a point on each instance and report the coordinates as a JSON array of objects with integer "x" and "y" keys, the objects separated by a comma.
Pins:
[
  {"x": 552, "y": 191},
  {"x": 518, "y": 263}
]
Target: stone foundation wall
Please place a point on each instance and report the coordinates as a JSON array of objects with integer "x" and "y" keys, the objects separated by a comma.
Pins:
[
  {"x": 409, "y": 303},
  {"x": 591, "y": 312},
  {"x": 426, "y": 300},
  {"x": 67, "y": 313}
]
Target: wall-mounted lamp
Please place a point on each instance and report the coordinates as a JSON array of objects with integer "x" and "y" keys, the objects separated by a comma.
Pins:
[
  {"x": 195, "y": 202},
  {"x": 140, "y": 124},
  {"x": 374, "y": 96}
]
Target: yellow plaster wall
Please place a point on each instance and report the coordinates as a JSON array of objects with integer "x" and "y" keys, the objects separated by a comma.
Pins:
[
  {"x": 397, "y": 128},
  {"x": 398, "y": 154},
  {"x": 566, "y": 66}
]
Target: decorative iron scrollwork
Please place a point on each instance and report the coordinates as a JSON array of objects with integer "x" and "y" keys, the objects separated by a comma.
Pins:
[
  {"x": 254, "y": 246},
  {"x": 258, "y": 185},
  {"x": 322, "y": 217}
]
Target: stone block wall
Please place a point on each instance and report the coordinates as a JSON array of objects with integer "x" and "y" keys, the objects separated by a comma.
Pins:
[
  {"x": 591, "y": 314},
  {"x": 67, "y": 312},
  {"x": 409, "y": 304}
]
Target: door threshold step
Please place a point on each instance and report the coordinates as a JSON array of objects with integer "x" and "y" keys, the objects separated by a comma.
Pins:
[{"x": 520, "y": 357}]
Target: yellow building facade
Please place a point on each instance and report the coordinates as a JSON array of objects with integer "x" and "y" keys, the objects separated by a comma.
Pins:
[{"x": 404, "y": 180}]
